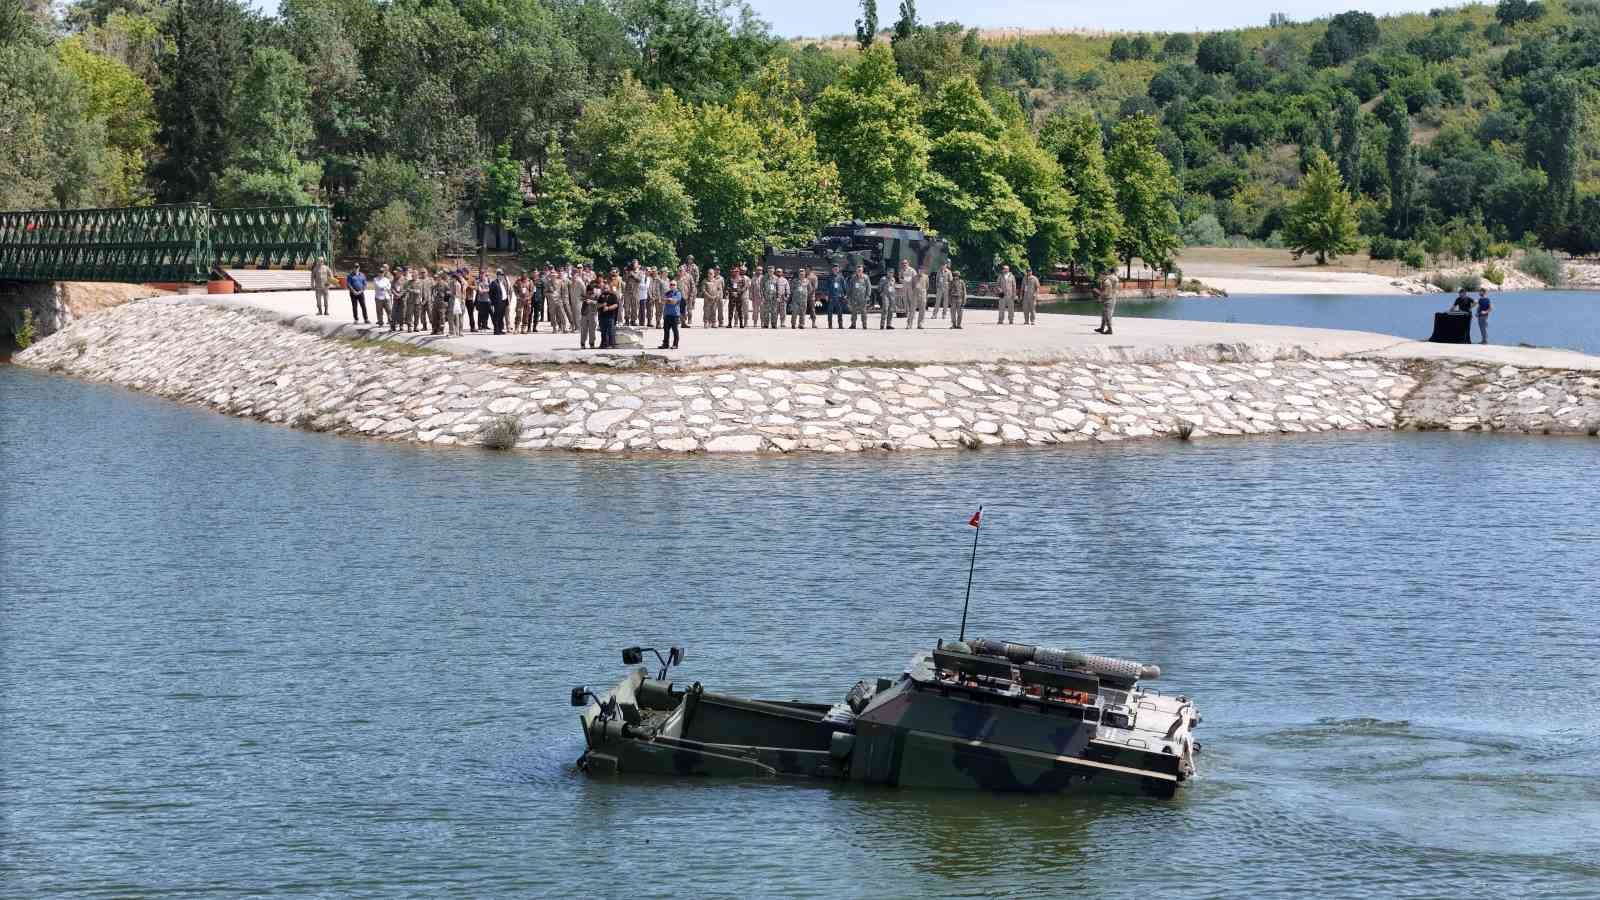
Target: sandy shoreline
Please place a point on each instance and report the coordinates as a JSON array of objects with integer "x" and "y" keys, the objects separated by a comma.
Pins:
[{"x": 1296, "y": 278}]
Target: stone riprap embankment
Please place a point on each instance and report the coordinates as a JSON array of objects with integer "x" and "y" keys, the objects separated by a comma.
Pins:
[
  {"x": 1464, "y": 397},
  {"x": 243, "y": 362}
]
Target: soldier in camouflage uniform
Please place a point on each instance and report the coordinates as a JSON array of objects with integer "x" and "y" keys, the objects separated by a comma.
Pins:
[
  {"x": 858, "y": 292},
  {"x": 800, "y": 300},
  {"x": 443, "y": 295},
  {"x": 917, "y": 306},
  {"x": 1107, "y": 285},
  {"x": 888, "y": 291},
  {"x": 714, "y": 289},
  {"x": 941, "y": 292},
  {"x": 1030, "y": 298},
  {"x": 957, "y": 297},
  {"x": 739, "y": 299}
]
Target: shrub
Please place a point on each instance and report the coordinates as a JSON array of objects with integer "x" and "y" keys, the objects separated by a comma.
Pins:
[
  {"x": 501, "y": 432},
  {"x": 1447, "y": 283},
  {"x": 26, "y": 332},
  {"x": 1383, "y": 247},
  {"x": 1494, "y": 274},
  {"x": 1204, "y": 231},
  {"x": 1541, "y": 265},
  {"x": 1414, "y": 255},
  {"x": 1470, "y": 281}
]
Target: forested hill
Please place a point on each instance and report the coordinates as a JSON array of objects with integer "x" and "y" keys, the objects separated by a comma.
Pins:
[{"x": 608, "y": 130}]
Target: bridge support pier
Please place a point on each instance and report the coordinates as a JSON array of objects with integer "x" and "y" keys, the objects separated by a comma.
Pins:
[{"x": 45, "y": 299}]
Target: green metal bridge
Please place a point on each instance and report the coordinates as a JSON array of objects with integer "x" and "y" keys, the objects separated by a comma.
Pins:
[{"x": 179, "y": 243}]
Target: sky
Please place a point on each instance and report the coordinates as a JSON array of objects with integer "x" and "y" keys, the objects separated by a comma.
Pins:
[{"x": 817, "y": 18}]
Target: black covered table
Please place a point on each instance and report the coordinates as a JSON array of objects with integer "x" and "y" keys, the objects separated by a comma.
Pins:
[{"x": 1451, "y": 328}]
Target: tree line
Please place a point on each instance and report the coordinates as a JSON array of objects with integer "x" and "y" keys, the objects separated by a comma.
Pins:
[{"x": 608, "y": 130}]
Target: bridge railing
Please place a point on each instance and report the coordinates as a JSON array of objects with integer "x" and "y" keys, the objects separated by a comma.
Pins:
[
  {"x": 273, "y": 237},
  {"x": 177, "y": 243}
]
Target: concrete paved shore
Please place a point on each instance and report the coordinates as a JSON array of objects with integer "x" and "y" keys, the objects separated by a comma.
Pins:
[
  {"x": 786, "y": 391},
  {"x": 1055, "y": 339}
]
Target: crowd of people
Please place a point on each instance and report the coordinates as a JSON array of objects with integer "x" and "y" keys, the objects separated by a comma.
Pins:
[{"x": 578, "y": 299}]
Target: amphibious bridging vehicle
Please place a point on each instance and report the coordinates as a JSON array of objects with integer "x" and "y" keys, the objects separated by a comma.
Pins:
[{"x": 981, "y": 714}]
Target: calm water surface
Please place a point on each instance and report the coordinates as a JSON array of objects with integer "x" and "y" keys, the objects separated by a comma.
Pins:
[
  {"x": 236, "y": 659},
  {"x": 1565, "y": 319}
]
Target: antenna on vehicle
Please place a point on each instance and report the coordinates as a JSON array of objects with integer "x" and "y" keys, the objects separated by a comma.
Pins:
[{"x": 977, "y": 526}]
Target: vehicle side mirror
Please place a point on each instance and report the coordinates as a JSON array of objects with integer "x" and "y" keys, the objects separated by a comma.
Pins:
[
  {"x": 674, "y": 656},
  {"x": 580, "y": 696},
  {"x": 632, "y": 656}
]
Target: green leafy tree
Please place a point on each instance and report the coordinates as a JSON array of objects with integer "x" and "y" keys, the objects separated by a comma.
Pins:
[
  {"x": 1402, "y": 165},
  {"x": 52, "y": 150},
  {"x": 867, "y": 25},
  {"x": 121, "y": 100},
  {"x": 393, "y": 235},
  {"x": 1219, "y": 53},
  {"x": 1178, "y": 46},
  {"x": 1322, "y": 218},
  {"x": 208, "y": 49},
  {"x": 271, "y": 130},
  {"x": 494, "y": 191},
  {"x": 968, "y": 198},
  {"x": 1038, "y": 181},
  {"x": 1349, "y": 140},
  {"x": 550, "y": 229},
  {"x": 1075, "y": 138},
  {"x": 906, "y": 25},
  {"x": 1147, "y": 193},
  {"x": 869, "y": 124},
  {"x": 801, "y": 188},
  {"x": 1553, "y": 145},
  {"x": 932, "y": 55},
  {"x": 732, "y": 190},
  {"x": 385, "y": 180},
  {"x": 629, "y": 147}
]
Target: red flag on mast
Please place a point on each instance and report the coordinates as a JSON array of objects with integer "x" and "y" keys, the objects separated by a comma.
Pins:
[{"x": 977, "y": 517}]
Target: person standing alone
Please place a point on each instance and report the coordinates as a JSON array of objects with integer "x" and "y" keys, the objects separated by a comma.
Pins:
[
  {"x": 671, "y": 305},
  {"x": 320, "y": 276},
  {"x": 1484, "y": 306},
  {"x": 1108, "y": 300}
]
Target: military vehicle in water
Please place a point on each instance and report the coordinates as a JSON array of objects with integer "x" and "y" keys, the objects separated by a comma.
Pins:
[
  {"x": 980, "y": 714},
  {"x": 878, "y": 246}
]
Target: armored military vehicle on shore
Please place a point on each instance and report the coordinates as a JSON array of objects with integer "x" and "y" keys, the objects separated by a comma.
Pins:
[
  {"x": 879, "y": 246},
  {"x": 982, "y": 714}
]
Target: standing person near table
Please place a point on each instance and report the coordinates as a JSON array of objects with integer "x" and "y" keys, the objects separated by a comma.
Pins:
[
  {"x": 610, "y": 308},
  {"x": 957, "y": 297},
  {"x": 1484, "y": 306},
  {"x": 1030, "y": 298},
  {"x": 321, "y": 276},
  {"x": 1008, "y": 296},
  {"x": 671, "y": 305},
  {"x": 1107, "y": 286},
  {"x": 356, "y": 282}
]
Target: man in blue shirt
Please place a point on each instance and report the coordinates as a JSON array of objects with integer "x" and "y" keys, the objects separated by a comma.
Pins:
[
  {"x": 833, "y": 289},
  {"x": 1483, "y": 315},
  {"x": 671, "y": 305},
  {"x": 357, "y": 283}
]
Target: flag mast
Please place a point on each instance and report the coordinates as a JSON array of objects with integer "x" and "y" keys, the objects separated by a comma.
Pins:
[{"x": 977, "y": 525}]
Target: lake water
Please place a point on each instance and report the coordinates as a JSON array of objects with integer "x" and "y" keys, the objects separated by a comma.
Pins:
[
  {"x": 1566, "y": 319},
  {"x": 241, "y": 659}
]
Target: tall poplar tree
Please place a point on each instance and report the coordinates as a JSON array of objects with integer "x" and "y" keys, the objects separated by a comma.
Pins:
[
  {"x": 1074, "y": 138},
  {"x": 869, "y": 123},
  {"x": 1147, "y": 193}
]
